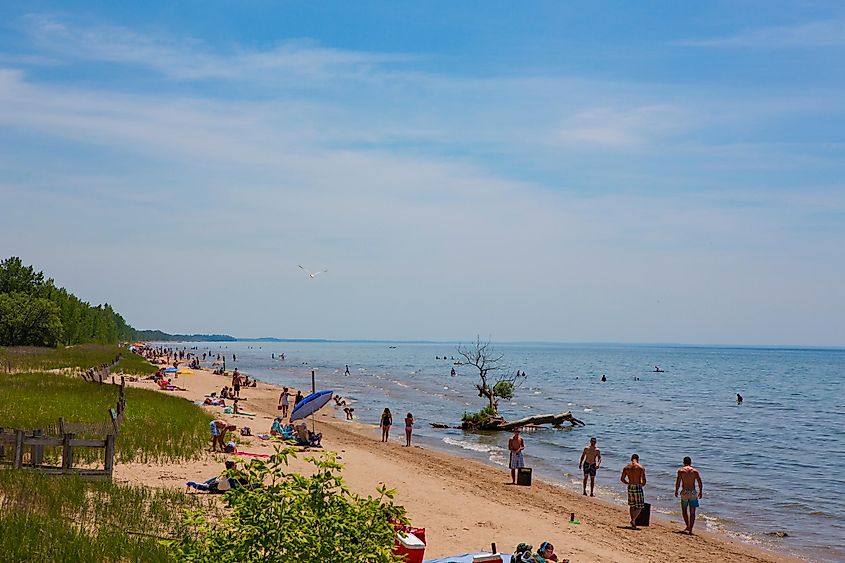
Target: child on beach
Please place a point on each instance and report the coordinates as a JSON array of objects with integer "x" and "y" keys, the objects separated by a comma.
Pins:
[
  {"x": 409, "y": 428},
  {"x": 385, "y": 424}
]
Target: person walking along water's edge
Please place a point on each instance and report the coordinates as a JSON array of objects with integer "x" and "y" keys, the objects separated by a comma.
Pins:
[
  {"x": 591, "y": 461},
  {"x": 688, "y": 478},
  {"x": 633, "y": 475}
]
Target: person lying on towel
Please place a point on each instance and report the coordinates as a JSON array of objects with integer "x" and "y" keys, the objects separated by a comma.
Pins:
[{"x": 216, "y": 485}]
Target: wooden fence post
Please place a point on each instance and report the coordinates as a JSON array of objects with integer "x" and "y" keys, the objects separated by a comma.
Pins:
[
  {"x": 18, "y": 449},
  {"x": 109, "y": 463},
  {"x": 67, "y": 452},
  {"x": 2, "y": 447},
  {"x": 37, "y": 454},
  {"x": 61, "y": 426}
]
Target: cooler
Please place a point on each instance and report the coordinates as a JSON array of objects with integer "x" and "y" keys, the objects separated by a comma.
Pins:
[
  {"x": 409, "y": 545},
  {"x": 645, "y": 515},
  {"x": 523, "y": 476}
]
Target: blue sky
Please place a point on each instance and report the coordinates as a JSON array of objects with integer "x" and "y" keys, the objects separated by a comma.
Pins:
[{"x": 658, "y": 172}]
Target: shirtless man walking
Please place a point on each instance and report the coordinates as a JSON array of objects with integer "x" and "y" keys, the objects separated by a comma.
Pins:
[
  {"x": 591, "y": 461},
  {"x": 688, "y": 476},
  {"x": 633, "y": 475},
  {"x": 516, "y": 461}
]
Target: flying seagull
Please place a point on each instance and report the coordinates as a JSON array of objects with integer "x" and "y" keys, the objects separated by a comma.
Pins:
[{"x": 312, "y": 275}]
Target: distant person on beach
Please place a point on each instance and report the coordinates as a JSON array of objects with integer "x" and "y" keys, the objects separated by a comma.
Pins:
[
  {"x": 633, "y": 475},
  {"x": 236, "y": 383},
  {"x": 385, "y": 423},
  {"x": 283, "y": 402},
  {"x": 409, "y": 428},
  {"x": 297, "y": 399},
  {"x": 590, "y": 461},
  {"x": 515, "y": 446},
  {"x": 688, "y": 477},
  {"x": 348, "y": 411},
  {"x": 219, "y": 427},
  {"x": 234, "y": 358},
  {"x": 738, "y": 399},
  {"x": 347, "y": 370}
]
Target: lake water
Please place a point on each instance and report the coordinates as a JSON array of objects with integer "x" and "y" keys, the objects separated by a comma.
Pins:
[{"x": 772, "y": 464}]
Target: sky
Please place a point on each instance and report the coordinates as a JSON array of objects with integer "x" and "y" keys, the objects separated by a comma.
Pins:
[{"x": 609, "y": 172}]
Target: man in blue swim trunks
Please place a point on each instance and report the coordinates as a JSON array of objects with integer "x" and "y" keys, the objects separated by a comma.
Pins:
[{"x": 688, "y": 477}]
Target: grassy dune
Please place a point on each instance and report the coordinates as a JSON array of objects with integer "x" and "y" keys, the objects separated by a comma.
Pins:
[
  {"x": 45, "y": 518},
  {"x": 158, "y": 427}
]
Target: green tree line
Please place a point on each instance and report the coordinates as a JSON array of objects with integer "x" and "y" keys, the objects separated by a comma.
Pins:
[{"x": 35, "y": 312}]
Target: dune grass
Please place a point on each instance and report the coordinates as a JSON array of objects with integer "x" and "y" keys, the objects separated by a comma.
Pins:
[
  {"x": 49, "y": 518},
  {"x": 83, "y": 356},
  {"x": 157, "y": 427},
  {"x": 133, "y": 364}
]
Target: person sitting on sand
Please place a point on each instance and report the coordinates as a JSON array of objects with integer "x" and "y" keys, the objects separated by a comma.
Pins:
[
  {"x": 688, "y": 476},
  {"x": 218, "y": 484},
  {"x": 546, "y": 552},
  {"x": 633, "y": 475},
  {"x": 276, "y": 428},
  {"x": 307, "y": 438}
]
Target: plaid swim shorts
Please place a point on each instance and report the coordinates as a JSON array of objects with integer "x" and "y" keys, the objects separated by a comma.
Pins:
[{"x": 636, "y": 499}]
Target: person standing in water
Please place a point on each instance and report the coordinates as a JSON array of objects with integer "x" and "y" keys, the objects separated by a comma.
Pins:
[
  {"x": 591, "y": 461},
  {"x": 517, "y": 461},
  {"x": 385, "y": 423},
  {"x": 347, "y": 370},
  {"x": 688, "y": 477},
  {"x": 633, "y": 475},
  {"x": 738, "y": 399},
  {"x": 409, "y": 428}
]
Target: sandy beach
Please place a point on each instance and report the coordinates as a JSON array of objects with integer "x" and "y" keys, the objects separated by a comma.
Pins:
[{"x": 464, "y": 505}]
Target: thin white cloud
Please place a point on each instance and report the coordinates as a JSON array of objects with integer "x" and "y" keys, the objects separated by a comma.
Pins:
[
  {"x": 191, "y": 59},
  {"x": 614, "y": 128},
  {"x": 825, "y": 33}
]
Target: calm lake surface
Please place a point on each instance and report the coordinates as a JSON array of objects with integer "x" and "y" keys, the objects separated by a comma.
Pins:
[{"x": 772, "y": 464}]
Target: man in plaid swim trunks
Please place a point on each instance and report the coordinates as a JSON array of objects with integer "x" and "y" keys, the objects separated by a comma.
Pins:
[{"x": 633, "y": 475}]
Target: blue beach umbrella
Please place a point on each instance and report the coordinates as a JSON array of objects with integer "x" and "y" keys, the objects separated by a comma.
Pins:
[{"x": 310, "y": 404}]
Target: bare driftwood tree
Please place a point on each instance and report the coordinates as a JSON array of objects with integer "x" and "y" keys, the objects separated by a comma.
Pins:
[
  {"x": 492, "y": 386},
  {"x": 495, "y": 382}
]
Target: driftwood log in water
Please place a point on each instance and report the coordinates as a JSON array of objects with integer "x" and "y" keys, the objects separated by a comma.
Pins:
[{"x": 499, "y": 423}]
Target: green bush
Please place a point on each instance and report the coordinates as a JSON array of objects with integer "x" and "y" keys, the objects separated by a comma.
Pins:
[
  {"x": 479, "y": 418},
  {"x": 294, "y": 518}
]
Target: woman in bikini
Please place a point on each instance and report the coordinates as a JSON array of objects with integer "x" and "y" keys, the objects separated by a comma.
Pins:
[
  {"x": 409, "y": 428},
  {"x": 385, "y": 424}
]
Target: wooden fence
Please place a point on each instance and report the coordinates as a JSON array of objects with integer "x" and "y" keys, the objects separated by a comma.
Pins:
[{"x": 27, "y": 446}]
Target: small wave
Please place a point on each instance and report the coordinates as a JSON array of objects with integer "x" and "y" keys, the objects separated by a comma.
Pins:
[
  {"x": 588, "y": 410},
  {"x": 494, "y": 453}
]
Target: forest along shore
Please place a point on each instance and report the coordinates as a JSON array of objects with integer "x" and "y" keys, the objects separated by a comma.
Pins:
[{"x": 464, "y": 505}]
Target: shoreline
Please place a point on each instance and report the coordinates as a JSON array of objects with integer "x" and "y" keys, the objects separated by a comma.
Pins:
[{"x": 464, "y": 504}]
